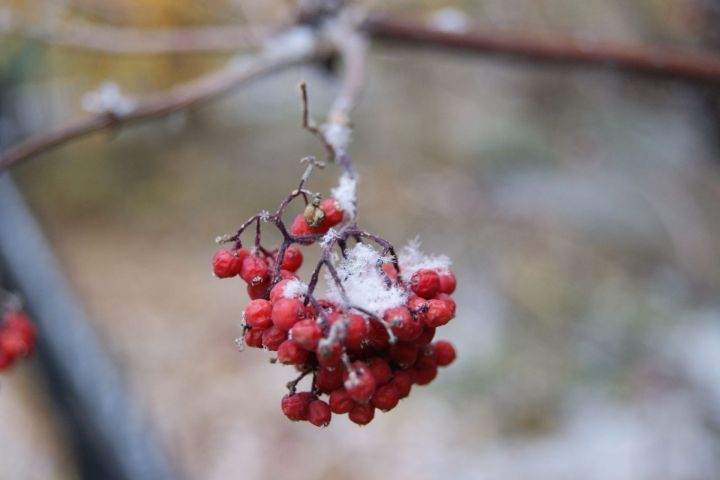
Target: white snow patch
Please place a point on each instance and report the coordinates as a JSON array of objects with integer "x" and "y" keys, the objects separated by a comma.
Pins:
[
  {"x": 346, "y": 194},
  {"x": 338, "y": 136},
  {"x": 364, "y": 284},
  {"x": 450, "y": 20},
  {"x": 329, "y": 238},
  {"x": 294, "y": 289},
  {"x": 412, "y": 259},
  {"x": 107, "y": 99}
]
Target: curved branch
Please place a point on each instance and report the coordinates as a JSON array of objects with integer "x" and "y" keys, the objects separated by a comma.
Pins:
[
  {"x": 237, "y": 72},
  {"x": 655, "y": 62}
]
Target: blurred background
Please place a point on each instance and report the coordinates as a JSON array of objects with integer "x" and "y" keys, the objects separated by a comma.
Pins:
[{"x": 581, "y": 209}]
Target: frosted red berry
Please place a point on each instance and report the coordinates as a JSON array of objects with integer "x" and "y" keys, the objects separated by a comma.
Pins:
[
  {"x": 253, "y": 337},
  {"x": 402, "y": 323},
  {"x": 447, "y": 281},
  {"x": 290, "y": 353},
  {"x": 425, "y": 283},
  {"x": 333, "y": 213},
  {"x": 359, "y": 382},
  {"x": 438, "y": 314},
  {"x": 254, "y": 270},
  {"x": 292, "y": 260},
  {"x": 273, "y": 337}
]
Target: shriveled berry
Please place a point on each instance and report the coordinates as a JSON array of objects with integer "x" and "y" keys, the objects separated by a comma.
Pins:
[
  {"x": 295, "y": 407},
  {"x": 254, "y": 270},
  {"x": 340, "y": 401},
  {"x": 329, "y": 379},
  {"x": 226, "y": 263},
  {"x": 362, "y": 413},
  {"x": 404, "y": 354},
  {"x": 257, "y": 313},
  {"x": 319, "y": 413},
  {"x": 359, "y": 382},
  {"x": 307, "y": 333},
  {"x": 447, "y": 281},
  {"x": 380, "y": 369},
  {"x": 287, "y": 312},
  {"x": 425, "y": 283},
  {"x": 253, "y": 337},
  {"x": 290, "y": 353},
  {"x": 273, "y": 337},
  {"x": 402, "y": 323},
  {"x": 292, "y": 260},
  {"x": 386, "y": 397},
  {"x": 444, "y": 353},
  {"x": 438, "y": 314},
  {"x": 403, "y": 382}
]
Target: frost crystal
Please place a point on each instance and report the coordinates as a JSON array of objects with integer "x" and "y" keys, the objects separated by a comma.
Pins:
[
  {"x": 411, "y": 259},
  {"x": 346, "y": 194},
  {"x": 338, "y": 136},
  {"x": 329, "y": 238},
  {"x": 107, "y": 99},
  {"x": 364, "y": 284},
  {"x": 264, "y": 215},
  {"x": 295, "y": 289}
]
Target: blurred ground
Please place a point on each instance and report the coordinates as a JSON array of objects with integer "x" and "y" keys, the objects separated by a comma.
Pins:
[{"x": 581, "y": 210}]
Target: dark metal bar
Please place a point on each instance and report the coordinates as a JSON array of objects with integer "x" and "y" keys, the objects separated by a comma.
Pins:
[{"x": 115, "y": 442}]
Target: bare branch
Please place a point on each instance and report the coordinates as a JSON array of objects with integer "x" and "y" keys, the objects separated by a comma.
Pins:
[
  {"x": 237, "y": 72},
  {"x": 657, "y": 62}
]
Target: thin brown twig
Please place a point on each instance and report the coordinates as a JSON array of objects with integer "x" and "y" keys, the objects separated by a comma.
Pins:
[
  {"x": 656, "y": 62},
  {"x": 237, "y": 72}
]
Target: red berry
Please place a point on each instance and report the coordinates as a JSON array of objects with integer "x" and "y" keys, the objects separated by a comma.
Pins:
[
  {"x": 6, "y": 361},
  {"x": 19, "y": 321},
  {"x": 380, "y": 370},
  {"x": 273, "y": 337},
  {"x": 444, "y": 353},
  {"x": 13, "y": 344},
  {"x": 333, "y": 214},
  {"x": 287, "y": 312},
  {"x": 254, "y": 270},
  {"x": 386, "y": 397},
  {"x": 419, "y": 307},
  {"x": 402, "y": 381},
  {"x": 359, "y": 382},
  {"x": 404, "y": 354},
  {"x": 377, "y": 336},
  {"x": 295, "y": 407},
  {"x": 307, "y": 333},
  {"x": 319, "y": 413},
  {"x": 448, "y": 301},
  {"x": 301, "y": 228},
  {"x": 362, "y": 413},
  {"x": 290, "y": 353},
  {"x": 426, "y": 336},
  {"x": 402, "y": 323},
  {"x": 425, "y": 283},
  {"x": 357, "y": 328},
  {"x": 292, "y": 259},
  {"x": 447, "y": 281},
  {"x": 253, "y": 337},
  {"x": 329, "y": 379},
  {"x": 278, "y": 291},
  {"x": 438, "y": 314},
  {"x": 329, "y": 355},
  {"x": 423, "y": 376},
  {"x": 257, "y": 291},
  {"x": 257, "y": 313},
  {"x": 288, "y": 275},
  {"x": 226, "y": 263},
  {"x": 340, "y": 401},
  {"x": 426, "y": 357}
]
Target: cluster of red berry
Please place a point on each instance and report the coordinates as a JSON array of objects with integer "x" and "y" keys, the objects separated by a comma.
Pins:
[
  {"x": 17, "y": 337},
  {"x": 361, "y": 360}
]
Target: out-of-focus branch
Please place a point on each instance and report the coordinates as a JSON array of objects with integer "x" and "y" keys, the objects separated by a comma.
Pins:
[
  {"x": 657, "y": 62},
  {"x": 145, "y": 41},
  {"x": 295, "y": 47}
]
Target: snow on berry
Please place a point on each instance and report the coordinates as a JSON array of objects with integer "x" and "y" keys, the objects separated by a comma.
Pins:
[{"x": 369, "y": 338}]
